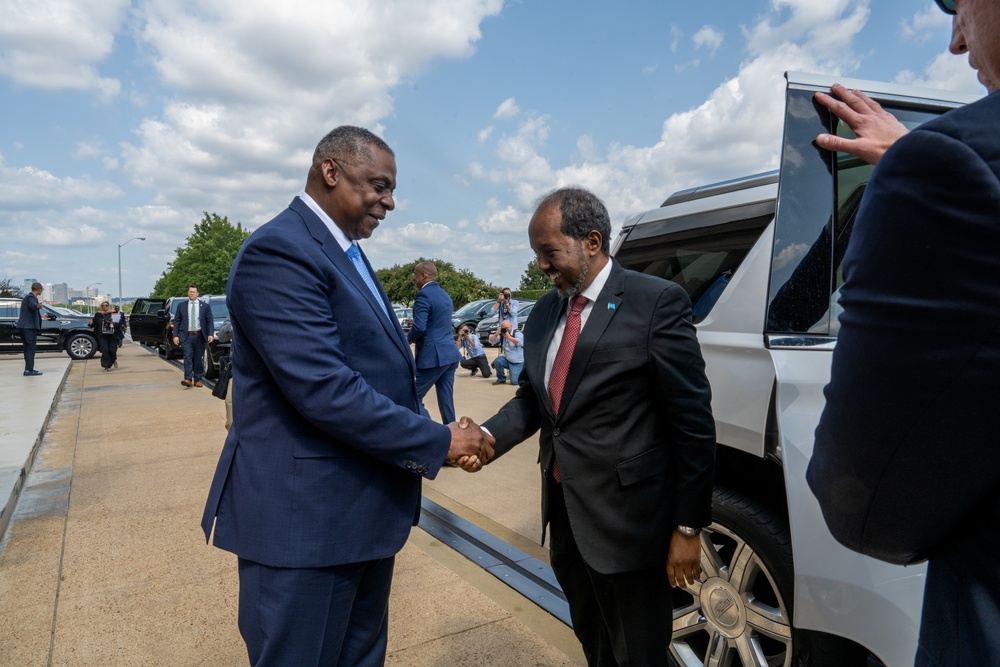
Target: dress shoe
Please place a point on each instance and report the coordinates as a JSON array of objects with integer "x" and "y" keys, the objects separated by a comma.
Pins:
[
  {"x": 32, "y": 373},
  {"x": 197, "y": 384},
  {"x": 499, "y": 381},
  {"x": 186, "y": 383},
  {"x": 472, "y": 373}
]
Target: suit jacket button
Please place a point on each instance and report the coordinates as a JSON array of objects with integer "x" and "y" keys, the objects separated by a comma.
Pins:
[{"x": 555, "y": 433}]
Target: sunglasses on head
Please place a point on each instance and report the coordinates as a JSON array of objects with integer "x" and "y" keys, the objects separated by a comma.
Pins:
[{"x": 947, "y": 6}]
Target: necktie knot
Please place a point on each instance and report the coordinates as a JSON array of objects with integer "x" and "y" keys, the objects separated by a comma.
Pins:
[
  {"x": 352, "y": 252},
  {"x": 577, "y": 304}
]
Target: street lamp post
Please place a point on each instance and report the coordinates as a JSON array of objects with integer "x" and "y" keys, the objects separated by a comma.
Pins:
[
  {"x": 90, "y": 300},
  {"x": 134, "y": 238}
]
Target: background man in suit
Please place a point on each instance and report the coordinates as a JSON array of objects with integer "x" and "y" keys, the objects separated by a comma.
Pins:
[
  {"x": 29, "y": 322},
  {"x": 905, "y": 465},
  {"x": 193, "y": 330},
  {"x": 319, "y": 480},
  {"x": 614, "y": 377},
  {"x": 431, "y": 331}
]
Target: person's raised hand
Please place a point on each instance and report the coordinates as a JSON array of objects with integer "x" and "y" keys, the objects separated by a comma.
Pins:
[{"x": 876, "y": 128}]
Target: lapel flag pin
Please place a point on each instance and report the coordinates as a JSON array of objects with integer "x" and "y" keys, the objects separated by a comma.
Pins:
[{"x": 611, "y": 306}]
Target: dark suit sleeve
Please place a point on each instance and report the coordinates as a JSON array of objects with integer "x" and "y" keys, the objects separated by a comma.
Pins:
[
  {"x": 685, "y": 400},
  {"x": 209, "y": 321},
  {"x": 905, "y": 449},
  {"x": 421, "y": 315},
  {"x": 319, "y": 370}
]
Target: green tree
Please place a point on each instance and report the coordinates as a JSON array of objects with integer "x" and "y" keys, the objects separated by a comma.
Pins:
[
  {"x": 205, "y": 260},
  {"x": 461, "y": 284},
  {"x": 6, "y": 287},
  {"x": 534, "y": 279}
]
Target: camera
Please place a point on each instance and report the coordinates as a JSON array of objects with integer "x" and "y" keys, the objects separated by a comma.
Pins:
[
  {"x": 464, "y": 331},
  {"x": 503, "y": 330}
]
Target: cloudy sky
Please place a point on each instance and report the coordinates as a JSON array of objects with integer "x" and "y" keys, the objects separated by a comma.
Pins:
[{"x": 122, "y": 119}]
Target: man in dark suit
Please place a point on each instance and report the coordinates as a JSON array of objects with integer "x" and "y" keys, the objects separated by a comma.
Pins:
[
  {"x": 614, "y": 377},
  {"x": 905, "y": 465},
  {"x": 194, "y": 327},
  {"x": 319, "y": 481},
  {"x": 432, "y": 334},
  {"x": 29, "y": 322}
]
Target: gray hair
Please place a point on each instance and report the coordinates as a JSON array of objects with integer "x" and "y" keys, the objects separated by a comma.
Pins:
[
  {"x": 582, "y": 212},
  {"x": 349, "y": 143}
]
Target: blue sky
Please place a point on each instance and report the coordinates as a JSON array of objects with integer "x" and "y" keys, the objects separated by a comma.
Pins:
[{"x": 123, "y": 119}]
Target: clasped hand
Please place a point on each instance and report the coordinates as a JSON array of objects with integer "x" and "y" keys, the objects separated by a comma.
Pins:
[{"x": 471, "y": 448}]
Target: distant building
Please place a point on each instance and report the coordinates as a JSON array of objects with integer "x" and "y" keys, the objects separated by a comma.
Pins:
[
  {"x": 60, "y": 292},
  {"x": 26, "y": 285}
]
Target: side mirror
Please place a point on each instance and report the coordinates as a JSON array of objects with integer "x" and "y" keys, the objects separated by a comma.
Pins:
[{"x": 161, "y": 313}]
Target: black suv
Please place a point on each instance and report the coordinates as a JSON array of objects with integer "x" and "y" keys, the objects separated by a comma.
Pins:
[
  {"x": 59, "y": 331},
  {"x": 151, "y": 323}
]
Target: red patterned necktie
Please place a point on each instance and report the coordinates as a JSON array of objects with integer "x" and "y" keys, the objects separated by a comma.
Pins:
[{"x": 560, "y": 367}]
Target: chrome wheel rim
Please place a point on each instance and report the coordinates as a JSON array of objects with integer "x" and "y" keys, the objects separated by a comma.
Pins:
[
  {"x": 81, "y": 347},
  {"x": 734, "y": 616}
]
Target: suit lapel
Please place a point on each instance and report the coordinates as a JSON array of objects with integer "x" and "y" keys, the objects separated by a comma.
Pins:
[
  {"x": 551, "y": 319},
  {"x": 336, "y": 254},
  {"x": 604, "y": 310}
]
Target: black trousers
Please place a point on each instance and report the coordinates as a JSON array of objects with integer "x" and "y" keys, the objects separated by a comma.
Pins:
[
  {"x": 477, "y": 362},
  {"x": 30, "y": 339},
  {"x": 109, "y": 350},
  {"x": 622, "y": 619}
]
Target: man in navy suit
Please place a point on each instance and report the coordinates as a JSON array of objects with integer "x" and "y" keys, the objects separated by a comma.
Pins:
[
  {"x": 193, "y": 330},
  {"x": 614, "y": 378},
  {"x": 905, "y": 464},
  {"x": 29, "y": 323},
  {"x": 319, "y": 480},
  {"x": 432, "y": 333}
]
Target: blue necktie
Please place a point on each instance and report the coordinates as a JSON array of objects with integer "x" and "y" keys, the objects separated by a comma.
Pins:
[{"x": 359, "y": 264}]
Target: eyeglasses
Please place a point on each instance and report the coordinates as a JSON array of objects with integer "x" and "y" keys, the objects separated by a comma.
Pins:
[
  {"x": 380, "y": 187},
  {"x": 947, "y": 6}
]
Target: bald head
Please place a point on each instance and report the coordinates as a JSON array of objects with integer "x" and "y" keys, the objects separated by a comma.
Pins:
[{"x": 423, "y": 273}]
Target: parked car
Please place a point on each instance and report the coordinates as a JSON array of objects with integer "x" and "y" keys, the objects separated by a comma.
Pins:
[
  {"x": 151, "y": 323},
  {"x": 60, "y": 331},
  {"x": 488, "y": 325},
  {"x": 471, "y": 313},
  {"x": 405, "y": 317},
  {"x": 760, "y": 259}
]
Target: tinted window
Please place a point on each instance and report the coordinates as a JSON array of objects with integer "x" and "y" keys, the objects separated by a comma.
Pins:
[
  {"x": 220, "y": 311},
  {"x": 147, "y": 307},
  {"x": 10, "y": 310},
  {"x": 701, "y": 259}
]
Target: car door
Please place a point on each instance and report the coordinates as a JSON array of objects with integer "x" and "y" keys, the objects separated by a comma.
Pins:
[
  {"x": 836, "y": 590},
  {"x": 9, "y": 336},
  {"x": 144, "y": 323}
]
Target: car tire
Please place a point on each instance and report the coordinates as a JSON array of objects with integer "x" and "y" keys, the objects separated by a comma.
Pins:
[
  {"x": 81, "y": 346},
  {"x": 743, "y": 602},
  {"x": 211, "y": 370}
]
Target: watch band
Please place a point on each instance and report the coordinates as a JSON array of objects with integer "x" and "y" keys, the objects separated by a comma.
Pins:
[{"x": 688, "y": 531}]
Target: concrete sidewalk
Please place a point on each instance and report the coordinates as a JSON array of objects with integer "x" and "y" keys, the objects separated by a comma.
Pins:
[{"x": 104, "y": 562}]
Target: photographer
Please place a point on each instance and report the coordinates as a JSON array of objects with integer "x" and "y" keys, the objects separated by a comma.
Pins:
[
  {"x": 469, "y": 342},
  {"x": 511, "y": 352},
  {"x": 506, "y": 307}
]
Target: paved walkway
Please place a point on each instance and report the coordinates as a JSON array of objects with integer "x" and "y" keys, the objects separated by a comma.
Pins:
[{"x": 104, "y": 563}]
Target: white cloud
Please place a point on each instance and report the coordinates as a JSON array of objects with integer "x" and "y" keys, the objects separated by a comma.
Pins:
[
  {"x": 256, "y": 87},
  {"x": 947, "y": 71},
  {"x": 484, "y": 134},
  {"x": 927, "y": 23},
  {"x": 57, "y": 44},
  {"x": 30, "y": 188},
  {"x": 507, "y": 109},
  {"x": 735, "y": 132},
  {"x": 708, "y": 37}
]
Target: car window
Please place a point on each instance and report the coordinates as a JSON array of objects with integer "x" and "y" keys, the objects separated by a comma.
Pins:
[
  {"x": 815, "y": 217},
  {"x": 10, "y": 310},
  {"x": 220, "y": 311},
  {"x": 699, "y": 259},
  {"x": 147, "y": 307}
]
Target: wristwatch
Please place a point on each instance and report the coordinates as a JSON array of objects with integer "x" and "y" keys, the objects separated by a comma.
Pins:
[{"x": 688, "y": 531}]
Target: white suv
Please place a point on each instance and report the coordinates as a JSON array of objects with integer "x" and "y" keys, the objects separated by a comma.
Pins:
[{"x": 760, "y": 259}]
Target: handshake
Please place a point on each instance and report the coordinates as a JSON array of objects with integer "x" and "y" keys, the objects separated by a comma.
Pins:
[{"x": 471, "y": 448}]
